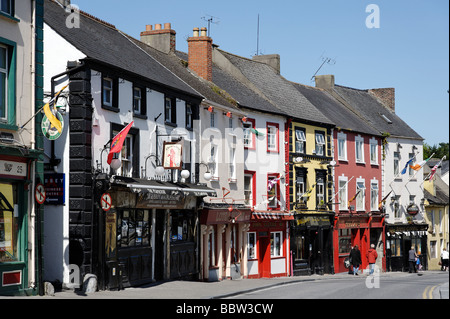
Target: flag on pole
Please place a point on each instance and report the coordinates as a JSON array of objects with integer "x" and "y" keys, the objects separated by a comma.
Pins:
[
  {"x": 418, "y": 166},
  {"x": 434, "y": 169},
  {"x": 380, "y": 205},
  {"x": 50, "y": 111},
  {"x": 353, "y": 198},
  {"x": 272, "y": 183},
  {"x": 117, "y": 142},
  {"x": 409, "y": 163}
]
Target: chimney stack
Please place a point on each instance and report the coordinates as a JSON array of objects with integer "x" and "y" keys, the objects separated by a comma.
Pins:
[
  {"x": 200, "y": 54},
  {"x": 163, "y": 40},
  {"x": 64, "y": 3},
  {"x": 272, "y": 60},
  {"x": 386, "y": 95},
  {"x": 325, "y": 82}
]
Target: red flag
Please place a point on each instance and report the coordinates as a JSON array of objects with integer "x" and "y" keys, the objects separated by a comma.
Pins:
[{"x": 117, "y": 142}]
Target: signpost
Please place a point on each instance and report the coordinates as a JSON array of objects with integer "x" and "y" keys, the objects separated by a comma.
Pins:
[
  {"x": 40, "y": 194},
  {"x": 106, "y": 202}
]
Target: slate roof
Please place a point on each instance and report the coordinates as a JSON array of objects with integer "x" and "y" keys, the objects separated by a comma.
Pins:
[
  {"x": 278, "y": 90},
  {"x": 371, "y": 109},
  {"x": 440, "y": 199},
  {"x": 103, "y": 42},
  {"x": 343, "y": 117}
]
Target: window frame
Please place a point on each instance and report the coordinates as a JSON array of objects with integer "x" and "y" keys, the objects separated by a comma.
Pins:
[
  {"x": 276, "y": 147},
  {"x": 170, "y": 111},
  {"x": 342, "y": 137},
  {"x": 276, "y": 249},
  {"x": 361, "y": 198},
  {"x": 189, "y": 117},
  {"x": 300, "y": 143},
  {"x": 252, "y": 197},
  {"x": 9, "y": 120},
  {"x": 320, "y": 146},
  {"x": 359, "y": 146},
  {"x": 343, "y": 193},
  {"x": 373, "y": 144},
  {"x": 252, "y": 136},
  {"x": 5, "y": 71},
  {"x": 252, "y": 251},
  {"x": 374, "y": 200},
  {"x": 277, "y": 191},
  {"x": 11, "y": 8}
]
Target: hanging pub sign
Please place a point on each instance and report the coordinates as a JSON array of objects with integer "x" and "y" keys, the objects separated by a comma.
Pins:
[
  {"x": 50, "y": 131},
  {"x": 412, "y": 209},
  {"x": 172, "y": 155}
]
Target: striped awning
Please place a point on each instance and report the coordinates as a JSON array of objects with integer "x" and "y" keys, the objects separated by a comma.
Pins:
[{"x": 272, "y": 215}]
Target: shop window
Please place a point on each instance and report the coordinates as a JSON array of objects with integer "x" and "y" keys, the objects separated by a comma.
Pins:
[
  {"x": 394, "y": 245},
  {"x": 276, "y": 244},
  {"x": 133, "y": 228},
  {"x": 8, "y": 223},
  {"x": 345, "y": 241},
  {"x": 182, "y": 226},
  {"x": 300, "y": 250},
  {"x": 251, "y": 246}
]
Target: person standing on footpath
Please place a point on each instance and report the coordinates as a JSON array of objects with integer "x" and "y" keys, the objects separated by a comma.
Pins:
[
  {"x": 412, "y": 260},
  {"x": 355, "y": 259},
  {"x": 372, "y": 256},
  {"x": 444, "y": 257}
]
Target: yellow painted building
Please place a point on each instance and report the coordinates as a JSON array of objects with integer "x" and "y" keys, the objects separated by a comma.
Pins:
[
  {"x": 437, "y": 216},
  {"x": 310, "y": 187}
]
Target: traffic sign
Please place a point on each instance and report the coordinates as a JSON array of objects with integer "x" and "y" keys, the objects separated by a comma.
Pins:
[
  {"x": 106, "y": 202},
  {"x": 40, "y": 194}
]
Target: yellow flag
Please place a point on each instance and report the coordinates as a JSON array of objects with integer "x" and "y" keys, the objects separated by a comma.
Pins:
[{"x": 50, "y": 111}]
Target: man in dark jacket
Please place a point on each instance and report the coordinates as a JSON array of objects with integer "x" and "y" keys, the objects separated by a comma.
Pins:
[{"x": 355, "y": 259}]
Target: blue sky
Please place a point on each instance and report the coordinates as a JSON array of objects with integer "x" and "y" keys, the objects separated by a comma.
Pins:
[{"x": 409, "y": 50}]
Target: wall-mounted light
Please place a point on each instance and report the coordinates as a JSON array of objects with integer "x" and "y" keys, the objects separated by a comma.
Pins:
[
  {"x": 185, "y": 175},
  {"x": 207, "y": 176},
  {"x": 116, "y": 164}
]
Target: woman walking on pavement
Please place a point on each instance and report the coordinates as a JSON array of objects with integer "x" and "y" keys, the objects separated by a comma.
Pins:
[
  {"x": 444, "y": 257},
  {"x": 355, "y": 259}
]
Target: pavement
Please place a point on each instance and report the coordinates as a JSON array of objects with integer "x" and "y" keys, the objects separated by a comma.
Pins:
[{"x": 191, "y": 290}]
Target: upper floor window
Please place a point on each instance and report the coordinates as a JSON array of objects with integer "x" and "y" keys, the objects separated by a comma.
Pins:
[
  {"x": 343, "y": 193},
  {"x": 170, "y": 111},
  {"x": 320, "y": 144},
  {"x": 107, "y": 91},
  {"x": 137, "y": 100},
  {"x": 342, "y": 146},
  {"x": 7, "y": 6},
  {"x": 300, "y": 140},
  {"x": 272, "y": 137},
  {"x": 373, "y": 152},
  {"x": 360, "y": 199},
  {"x": 396, "y": 163},
  {"x": 249, "y": 136},
  {"x": 273, "y": 191},
  {"x": 110, "y": 93},
  {"x": 3, "y": 82},
  {"x": 359, "y": 149},
  {"x": 373, "y": 195},
  {"x": 213, "y": 160},
  {"x": 189, "y": 117},
  {"x": 249, "y": 181}
]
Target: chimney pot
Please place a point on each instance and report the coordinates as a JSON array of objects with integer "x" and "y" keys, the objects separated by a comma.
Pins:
[
  {"x": 158, "y": 26},
  {"x": 167, "y": 26},
  {"x": 148, "y": 27},
  {"x": 196, "y": 32},
  {"x": 203, "y": 32}
]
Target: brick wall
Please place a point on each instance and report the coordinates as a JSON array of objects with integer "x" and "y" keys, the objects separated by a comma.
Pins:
[
  {"x": 387, "y": 96},
  {"x": 200, "y": 56}
]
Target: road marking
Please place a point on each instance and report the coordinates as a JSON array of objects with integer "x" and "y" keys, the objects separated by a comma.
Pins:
[{"x": 428, "y": 292}]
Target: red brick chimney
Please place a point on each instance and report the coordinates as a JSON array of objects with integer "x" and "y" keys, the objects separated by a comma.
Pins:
[
  {"x": 200, "y": 54},
  {"x": 161, "y": 39},
  {"x": 386, "y": 95}
]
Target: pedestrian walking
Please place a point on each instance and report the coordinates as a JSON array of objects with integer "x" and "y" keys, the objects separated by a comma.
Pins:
[
  {"x": 412, "y": 258},
  {"x": 355, "y": 259},
  {"x": 372, "y": 256},
  {"x": 444, "y": 256}
]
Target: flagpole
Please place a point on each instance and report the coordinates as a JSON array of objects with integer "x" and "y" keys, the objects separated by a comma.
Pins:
[
  {"x": 418, "y": 170},
  {"x": 439, "y": 164},
  {"x": 341, "y": 189}
]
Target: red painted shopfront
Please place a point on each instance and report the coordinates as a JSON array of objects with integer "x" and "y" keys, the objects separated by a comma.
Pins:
[
  {"x": 268, "y": 245},
  {"x": 362, "y": 230}
]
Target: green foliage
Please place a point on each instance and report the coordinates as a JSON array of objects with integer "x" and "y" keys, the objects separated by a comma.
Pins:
[{"x": 440, "y": 150}]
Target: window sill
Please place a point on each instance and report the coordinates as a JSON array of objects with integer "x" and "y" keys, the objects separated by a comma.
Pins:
[
  {"x": 170, "y": 124},
  {"x": 8, "y": 17},
  {"x": 111, "y": 108},
  {"x": 140, "y": 116}
]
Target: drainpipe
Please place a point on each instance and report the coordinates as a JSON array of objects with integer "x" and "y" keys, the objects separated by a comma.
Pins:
[{"x": 32, "y": 208}]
